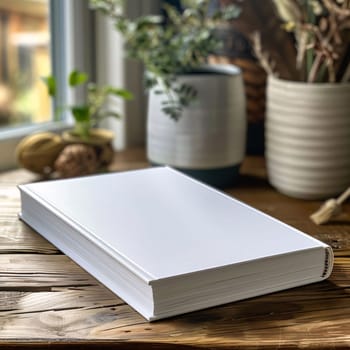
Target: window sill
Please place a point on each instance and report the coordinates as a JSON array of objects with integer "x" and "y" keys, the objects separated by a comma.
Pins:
[{"x": 9, "y": 138}]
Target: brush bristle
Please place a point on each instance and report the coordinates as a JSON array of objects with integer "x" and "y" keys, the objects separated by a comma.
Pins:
[{"x": 329, "y": 209}]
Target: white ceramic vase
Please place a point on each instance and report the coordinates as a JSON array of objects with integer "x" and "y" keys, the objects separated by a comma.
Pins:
[
  {"x": 308, "y": 138},
  {"x": 208, "y": 141}
]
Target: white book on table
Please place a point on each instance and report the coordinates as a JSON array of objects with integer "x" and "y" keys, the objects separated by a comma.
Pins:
[{"x": 168, "y": 244}]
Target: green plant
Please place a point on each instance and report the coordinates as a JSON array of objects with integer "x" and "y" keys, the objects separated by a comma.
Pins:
[
  {"x": 89, "y": 114},
  {"x": 169, "y": 45}
]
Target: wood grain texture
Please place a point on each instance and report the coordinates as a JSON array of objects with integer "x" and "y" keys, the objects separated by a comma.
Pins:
[{"x": 47, "y": 301}]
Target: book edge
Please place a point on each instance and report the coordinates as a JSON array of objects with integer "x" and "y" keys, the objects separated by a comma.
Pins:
[{"x": 90, "y": 236}]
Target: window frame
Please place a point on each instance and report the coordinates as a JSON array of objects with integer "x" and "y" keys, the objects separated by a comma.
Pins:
[{"x": 70, "y": 27}]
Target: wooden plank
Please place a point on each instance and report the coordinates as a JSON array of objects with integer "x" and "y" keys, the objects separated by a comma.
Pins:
[
  {"x": 257, "y": 321},
  {"x": 17, "y": 237},
  {"x": 16, "y": 303},
  {"x": 16, "y": 177},
  {"x": 62, "y": 313},
  {"x": 296, "y": 318},
  {"x": 94, "y": 312},
  {"x": 36, "y": 270}
]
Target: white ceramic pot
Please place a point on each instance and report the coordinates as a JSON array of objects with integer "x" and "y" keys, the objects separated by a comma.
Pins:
[
  {"x": 208, "y": 141},
  {"x": 308, "y": 138}
]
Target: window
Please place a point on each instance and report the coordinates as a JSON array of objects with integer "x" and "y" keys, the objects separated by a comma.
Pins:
[
  {"x": 37, "y": 37},
  {"x": 24, "y": 58}
]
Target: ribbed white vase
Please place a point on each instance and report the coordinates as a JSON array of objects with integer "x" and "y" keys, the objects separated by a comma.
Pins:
[
  {"x": 308, "y": 138},
  {"x": 208, "y": 140}
]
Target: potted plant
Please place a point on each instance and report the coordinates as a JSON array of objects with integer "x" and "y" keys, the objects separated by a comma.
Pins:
[
  {"x": 196, "y": 113},
  {"x": 88, "y": 115},
  {"x": 84, "y": 148},
  {"x": 308, "y": 124}
]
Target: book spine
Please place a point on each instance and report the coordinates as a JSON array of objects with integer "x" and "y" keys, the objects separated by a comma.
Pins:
[{"x": 328, "y": 266}]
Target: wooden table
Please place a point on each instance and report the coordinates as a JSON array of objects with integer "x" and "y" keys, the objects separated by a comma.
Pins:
[{"x": 46, "y": 301}]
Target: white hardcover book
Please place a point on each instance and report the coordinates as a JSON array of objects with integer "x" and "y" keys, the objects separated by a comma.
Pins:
[{"x": 168, "y": 244}]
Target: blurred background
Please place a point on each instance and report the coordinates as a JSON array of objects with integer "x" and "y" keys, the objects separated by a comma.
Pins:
[{"x": 24, "y": 58}]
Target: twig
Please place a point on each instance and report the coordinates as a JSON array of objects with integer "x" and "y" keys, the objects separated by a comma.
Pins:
[
  {"x": 346, "y": 76},
  {"x": 331, "y": 70},
  {"x": 302, "y": 46},
  {"x": 314, "y": 68},
  {"x": 289, "y": 10},
  {"x": 336, "y": 9},
  {"x": 265, "y": 61}
]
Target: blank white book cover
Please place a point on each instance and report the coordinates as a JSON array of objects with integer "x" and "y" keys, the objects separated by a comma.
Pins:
[{"x": 166, "y": 224}]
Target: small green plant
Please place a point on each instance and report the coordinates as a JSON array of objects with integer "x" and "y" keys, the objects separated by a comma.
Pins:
[
  {"x": 89, "y": 114},
  {"x": 169, "y": 45}
]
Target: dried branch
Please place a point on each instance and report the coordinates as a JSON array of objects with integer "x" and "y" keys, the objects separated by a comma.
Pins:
[
  {"x": 314, "y": 69},
  {"x": 323, "y": 36},
  {"x": 301, "y": 49},
  {"x": 341, "y": 11},
  {"x": 262, "y": 16},
  {"x": 267, "y": 63},
  {"x": 346, "y": 76},
  {"x": 289, "y": 10}
]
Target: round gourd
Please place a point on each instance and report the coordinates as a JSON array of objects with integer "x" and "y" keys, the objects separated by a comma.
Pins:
[{"x": 38, "y": 152}]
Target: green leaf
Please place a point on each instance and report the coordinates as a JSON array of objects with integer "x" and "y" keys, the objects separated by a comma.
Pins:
[
  {"x": 81, "y": 113},
  {"x": 82, "y": 129},
  {"x": 173, "y": 46},
  {"x": 231, "y": 12},
  {"x": 173, "y": 112},
  {"x": 106, "y": 114},
  {"x": 50, "y": 82},
  {"x": 149, "y": 82},
  {"x": 77, "y": 78},
  {"x": 146, "y": 21},
  {"x": 125, "y": 94},
  {"x": 92, "y": 87}
]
